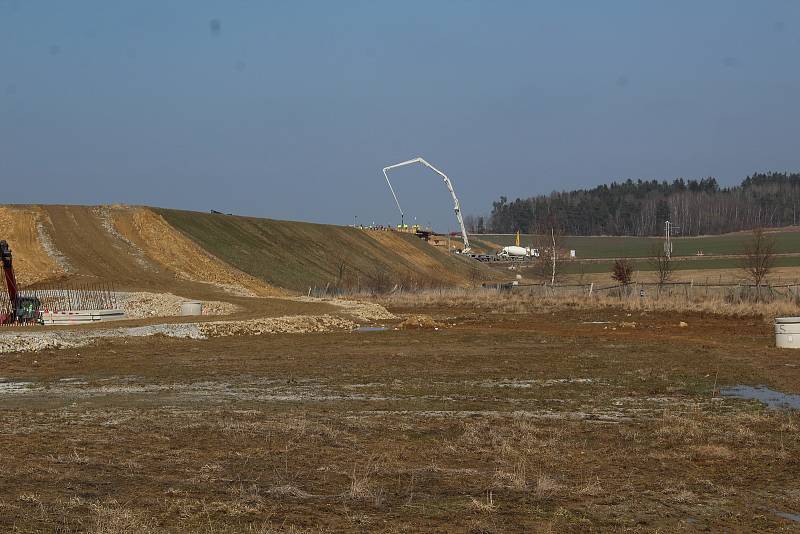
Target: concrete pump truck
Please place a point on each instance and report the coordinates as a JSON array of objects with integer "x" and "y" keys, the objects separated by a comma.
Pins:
[{"x": 20, "y": 310}]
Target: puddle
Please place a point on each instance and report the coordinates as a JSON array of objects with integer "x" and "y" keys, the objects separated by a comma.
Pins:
[
  {"x": 370, "y": 329},
  {"x": 787, "y": 515},
  {"x": 773, "y": 399},
  {"x": 15, "y": 387}
]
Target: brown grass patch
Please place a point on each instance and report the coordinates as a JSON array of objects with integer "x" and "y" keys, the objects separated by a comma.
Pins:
[
  {"x": 486, "y": 505},
  {"x": 712, "y": 452},
  {"x": 519, "y": 302},
  {"x": 419, "y": 322}
]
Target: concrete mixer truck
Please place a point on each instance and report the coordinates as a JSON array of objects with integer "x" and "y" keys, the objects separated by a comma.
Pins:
[{"x": 514, "y": 251}]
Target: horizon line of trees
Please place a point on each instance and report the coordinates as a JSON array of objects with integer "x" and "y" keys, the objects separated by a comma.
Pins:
[{"x": 639, "y": 208}]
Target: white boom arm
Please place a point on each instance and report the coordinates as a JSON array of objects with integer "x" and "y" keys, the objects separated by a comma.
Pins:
[{"x": 447, "y": 182}]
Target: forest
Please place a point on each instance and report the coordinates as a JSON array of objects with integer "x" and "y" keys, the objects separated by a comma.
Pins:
[{"x": 639, "y": 208}]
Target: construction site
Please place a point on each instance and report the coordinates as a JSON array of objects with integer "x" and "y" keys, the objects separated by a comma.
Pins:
[{"x": 171, "y": 371}]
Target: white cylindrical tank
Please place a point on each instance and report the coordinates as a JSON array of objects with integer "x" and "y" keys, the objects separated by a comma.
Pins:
[
  {"x": 192, "y": 308},
  {"x": 515, "y": 251},
  {"x": 787, "y": 332}
]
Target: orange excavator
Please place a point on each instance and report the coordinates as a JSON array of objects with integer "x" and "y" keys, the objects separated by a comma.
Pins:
[{"x": 20, "y": 310}]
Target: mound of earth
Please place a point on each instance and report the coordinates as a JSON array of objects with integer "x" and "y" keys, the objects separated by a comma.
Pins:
[
  {"x": 298, "y": 255},
  {"x": 160, "y": 250},
  {"x": 34, "y": 259}
]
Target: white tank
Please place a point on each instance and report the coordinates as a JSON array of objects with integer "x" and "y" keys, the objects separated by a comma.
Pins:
[
  {"x": 787, "y": 332},
  {"x": 515, "y": 251}
]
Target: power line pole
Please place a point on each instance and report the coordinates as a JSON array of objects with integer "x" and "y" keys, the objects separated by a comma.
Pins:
[{"x": 669, "y": 229}]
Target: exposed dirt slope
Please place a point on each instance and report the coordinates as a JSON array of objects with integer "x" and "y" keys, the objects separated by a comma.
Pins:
[
  {"x": 129, "y": 246},
  {"x": 299, "y": 255},
  {"x": 19, "y": 225},
  {"x": 85, "y": 236},
  {"x": 140, "y": 248},
  {"x": 170, "y": 248}
]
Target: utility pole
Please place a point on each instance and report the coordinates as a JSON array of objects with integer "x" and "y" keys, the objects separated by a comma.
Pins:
[
  {"x": 669, "y": 229},
  {"x": 553, "y": 235}
]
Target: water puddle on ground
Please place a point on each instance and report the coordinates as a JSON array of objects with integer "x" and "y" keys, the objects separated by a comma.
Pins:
[
  {"x": 787, "y": 515},
  {"x": 773, "y": 399},
  {"x": 7, "y": 386},
  {"x": 362, "y": 329}
]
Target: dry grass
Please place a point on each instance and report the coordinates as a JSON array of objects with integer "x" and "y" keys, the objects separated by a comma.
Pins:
[
  {"x": 111, "y": 518},
  {"x": 362, "y": 486},
  {"x": 713, "y": 452},
  {"x": 546, "y": 487},
  {"x": 515, "y": 478},
  {"x": 485, "y": 505},
  {"x": 518, "y": 302}
]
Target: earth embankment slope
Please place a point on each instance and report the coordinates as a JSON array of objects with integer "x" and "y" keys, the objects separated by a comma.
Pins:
[
  {"x": 129, "y": 248},
  {"x": 145, "y": 248},
  {"x": 23, "y": 228},
  {"x": 298, "y": 255}
]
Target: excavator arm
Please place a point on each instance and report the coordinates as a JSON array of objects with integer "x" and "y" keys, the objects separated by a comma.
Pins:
[
  {"x": 8, "y": 271},
  {"x": 447, "y": 182},
  {"x": 22, "y": 309}
]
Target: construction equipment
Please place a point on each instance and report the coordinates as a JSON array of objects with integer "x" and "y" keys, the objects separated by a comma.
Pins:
[
  {"x": 20, "y": 310},
  {"x": 515, "y": 251},
  {"x": 447, "y": 182}
]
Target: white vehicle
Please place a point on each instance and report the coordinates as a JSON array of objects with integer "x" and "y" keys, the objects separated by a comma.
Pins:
[{"x": 518, "y": 252}]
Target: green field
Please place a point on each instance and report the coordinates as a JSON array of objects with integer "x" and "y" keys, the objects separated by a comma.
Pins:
[{"x": 641, "y": 247}]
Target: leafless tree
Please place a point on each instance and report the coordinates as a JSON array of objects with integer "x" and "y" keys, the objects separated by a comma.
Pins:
[
  {"x": 759, "y": 256},
  {"x": 341, "y": 266},
  {"x": 475, "y": 275},
  {"x": 661, "y": 262},
  {"x": 548, "y": 264},
  {"x": 380, "y": 281},
  {"x": 623, "y": 271}
]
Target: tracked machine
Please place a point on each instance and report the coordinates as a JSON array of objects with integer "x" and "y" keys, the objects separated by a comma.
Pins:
[{"x": 20, "y": 309}]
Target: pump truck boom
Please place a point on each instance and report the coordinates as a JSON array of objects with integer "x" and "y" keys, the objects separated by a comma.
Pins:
[{"x": 447, "y": 182}]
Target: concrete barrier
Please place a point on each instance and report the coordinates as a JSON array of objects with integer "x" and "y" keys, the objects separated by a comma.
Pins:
[
  {"x": 787, "y": 332},
  {"x": 81, "y": 316},
  {"x": 192, "y": 308}
]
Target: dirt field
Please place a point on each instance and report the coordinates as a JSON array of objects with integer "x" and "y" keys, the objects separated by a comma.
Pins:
[
  {"x": 473, "y": 415},
  {"x": 576, "y": 420}
]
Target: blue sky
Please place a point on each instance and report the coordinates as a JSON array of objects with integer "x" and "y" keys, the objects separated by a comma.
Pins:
[{"x": 289, "y": 109}]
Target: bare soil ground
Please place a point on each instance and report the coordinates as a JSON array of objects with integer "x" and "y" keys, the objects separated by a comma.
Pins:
[
  {"x": 571, "y": 420},
  {"x": 21, "y": 226}
]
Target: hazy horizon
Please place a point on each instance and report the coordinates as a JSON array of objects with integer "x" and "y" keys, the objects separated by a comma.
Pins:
[{"x": 289, "y": 110}]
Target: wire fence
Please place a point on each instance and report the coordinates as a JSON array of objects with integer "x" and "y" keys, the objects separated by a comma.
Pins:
[{"x": 71, "y": 297}]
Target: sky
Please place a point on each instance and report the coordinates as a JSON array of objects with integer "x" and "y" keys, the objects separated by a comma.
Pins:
[{"x": 289, "y": 109}]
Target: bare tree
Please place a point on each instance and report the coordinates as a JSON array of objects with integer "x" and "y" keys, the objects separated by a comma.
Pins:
[
  {"x": 548, "y": 264},
  {"x": 475, "y": 275},
  {"x": 661, "y": 262},
  {"x": 759, "y": 256},
  {"x": 341, "y": 266},
  {"x": 623, "y": 271}
]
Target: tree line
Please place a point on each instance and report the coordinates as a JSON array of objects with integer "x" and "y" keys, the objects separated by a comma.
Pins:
[{"x": 639, "y": 208}]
